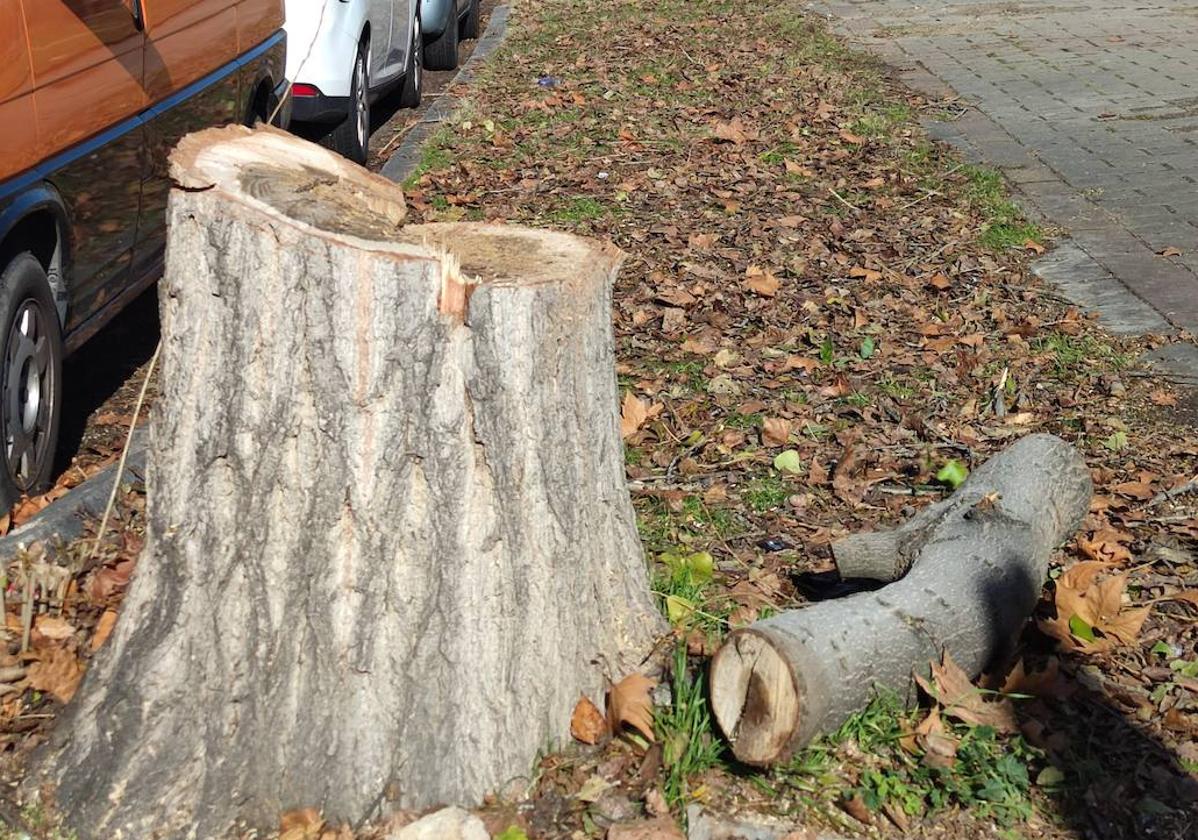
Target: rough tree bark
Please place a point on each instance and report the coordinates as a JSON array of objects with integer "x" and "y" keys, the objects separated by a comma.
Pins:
[
  {"x": 969, "y": 571},
  {"x": 389, "y": 540}
]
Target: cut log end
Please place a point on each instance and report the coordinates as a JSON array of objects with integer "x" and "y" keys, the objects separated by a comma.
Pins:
[{"x": 755, "y": 698}]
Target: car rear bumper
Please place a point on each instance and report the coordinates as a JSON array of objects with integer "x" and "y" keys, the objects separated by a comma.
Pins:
[{"x": 319, "y": 109}]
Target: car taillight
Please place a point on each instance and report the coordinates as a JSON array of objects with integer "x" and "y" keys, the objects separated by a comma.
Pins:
[{"x": 300, "y": 89}]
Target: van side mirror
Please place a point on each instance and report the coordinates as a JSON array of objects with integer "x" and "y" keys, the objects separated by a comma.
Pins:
[{"x": 138, "y": 19}]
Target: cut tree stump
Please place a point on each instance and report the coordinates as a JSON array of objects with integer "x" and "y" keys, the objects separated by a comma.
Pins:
[
  {"x": 389, "y": 537},
  {"x": 967, "y": 573}
]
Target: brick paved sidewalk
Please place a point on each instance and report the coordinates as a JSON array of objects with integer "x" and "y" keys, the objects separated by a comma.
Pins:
[{"x": 1091, "y": 110}]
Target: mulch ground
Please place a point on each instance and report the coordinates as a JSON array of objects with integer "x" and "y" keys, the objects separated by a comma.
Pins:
[{"x": 823, "y": 321}]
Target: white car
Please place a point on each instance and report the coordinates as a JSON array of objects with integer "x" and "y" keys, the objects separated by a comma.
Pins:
[{"x": 344, "y": 54}]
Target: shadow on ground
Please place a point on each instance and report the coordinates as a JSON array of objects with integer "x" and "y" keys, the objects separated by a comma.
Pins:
[{"x": 94, "y": 375}]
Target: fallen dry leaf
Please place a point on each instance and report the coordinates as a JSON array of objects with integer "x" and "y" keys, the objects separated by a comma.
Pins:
[
  {"x": 1107, "y": 546},
  {"x": 1047, "y": 682},
  {"x": 1033, "y": 245},
  {"x": 1171, "y": 251},
  {"x": 857, "y": 809},
  {"x": 301, "y": 824},
  {"x": 630, "y": 702},
  {"x": 761, "y": 282},
  {"x": 57, "y": 672},
  {"x": 775, "y": 431},
  {"x": 961, "y": 699},
  {"x": 661, "y": 828},
  {"x": 1090, "y": 614},
  {"x": 53, "y": 628},
  {"x": 634, "y": 414},
  {"x": 108, "y": 580},
  {"x": 587, "y": 724},
  {"x": 939, "y": 746},
  {"x": 103, "y": 629},
  {"x": 732, "y": 131}
]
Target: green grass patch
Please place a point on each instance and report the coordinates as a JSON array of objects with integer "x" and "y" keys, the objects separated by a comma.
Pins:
[
  {"x": 580, "y": 209},
  {"x": 686, "y": 733},
  {"x": 765, "y": 493},
  {"x": 990, "y": 775},
  {"x": 1005, "y": 225},
  {"x": 434, "y": 156},
  {"x": 1076, "y": 355}
]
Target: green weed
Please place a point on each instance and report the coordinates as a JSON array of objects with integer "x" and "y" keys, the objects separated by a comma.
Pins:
[
  {"x": 685, "y": 730},
  {"x": 989, "y": 775},
  {"x": 1005, "y": 225},
  {"x": 765, "y": 493}
]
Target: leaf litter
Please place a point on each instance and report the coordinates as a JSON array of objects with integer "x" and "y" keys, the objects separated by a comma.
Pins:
[{"x": 815, "y": 336}]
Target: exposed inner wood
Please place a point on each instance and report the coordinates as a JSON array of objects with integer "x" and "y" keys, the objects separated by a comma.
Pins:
[{"x": 754, "y": 697}]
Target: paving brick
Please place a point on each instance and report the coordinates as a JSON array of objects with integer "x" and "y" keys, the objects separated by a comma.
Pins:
[{"x": 1090, "y": 108}]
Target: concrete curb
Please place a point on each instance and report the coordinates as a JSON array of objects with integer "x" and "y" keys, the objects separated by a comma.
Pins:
[
  {"x": 63, "y": 520},
  {"x": 406, "y": 157}
]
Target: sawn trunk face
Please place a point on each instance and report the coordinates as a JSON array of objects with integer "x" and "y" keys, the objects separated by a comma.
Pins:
[{"x": 388, "y": 545}]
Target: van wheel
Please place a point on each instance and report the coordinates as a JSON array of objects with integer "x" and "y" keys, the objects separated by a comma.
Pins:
[
  {"x": 30, "y": 379},
  {"x": 442, "y": 54},
  {"x": 351, "y": 137},
  {"x": 413, "y": 80},
  {"x": 470, "y": 22}
]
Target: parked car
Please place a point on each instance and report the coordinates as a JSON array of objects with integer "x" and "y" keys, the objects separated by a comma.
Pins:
[
  {"x": 93, "y": 95},
  {"x": 446, "y": 22},
  {"x": 344, "y": 55}
]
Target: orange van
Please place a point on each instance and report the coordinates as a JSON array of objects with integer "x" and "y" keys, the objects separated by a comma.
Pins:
[{"x": 93, "y": 95}]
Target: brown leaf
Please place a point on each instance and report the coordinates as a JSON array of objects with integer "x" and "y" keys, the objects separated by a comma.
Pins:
[
  {"x": 630, "y": 702},
  {"x": 940, "y": 282},
  {"x": 775, "y": 431},
  {"x": 1047, "y": 682},
  {"x": 761, "y": 282},
  {"x": 731, "y": 132},
  {"x": 53, "y": 628},
  {"x": 587, "y": 724},
  {"x": 1096, "y": 601},
  {"x": 661, "y": 828},
  {"x": 1106, "y": 545},
  {"x": 301, "y": 824},
  {"x": 961, "y": 699},
  {"x": 850, "y": 137},
  {"x": 867, "y": 274},
  {"x": 1162, "y": 397},
  {"x": 108, "y": 580},
  {"x": 57, "y": 672},
  {"x": 1171, "y": 251},
  {"x": 634, "y": 413},
  {"x": 103, "y": 629},
  {"x": 1033, "y": 245},
  {"x": 1134, "y": 489},
  {"x": 857, "y": 809},
  {"x": 939, "y": 746}
]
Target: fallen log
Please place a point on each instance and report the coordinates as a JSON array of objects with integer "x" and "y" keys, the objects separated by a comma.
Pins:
[
  {"x": 389, "y": 540},
  {"x": 967, "y": 573}
]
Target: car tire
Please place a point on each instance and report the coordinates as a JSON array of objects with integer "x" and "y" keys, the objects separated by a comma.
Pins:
[
  {"x": 470, "y": 22},
  {"x": 442, "y": 52},
  {"x": 351, "y": 137},
  {"x": 30, "y": 379},
  {"x": 413, "y": 82}
]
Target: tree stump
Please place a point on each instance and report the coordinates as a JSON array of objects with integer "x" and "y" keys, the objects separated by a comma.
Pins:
[
  {"x": 389, "y": 539},
  {"x": 969, "y": 571}
]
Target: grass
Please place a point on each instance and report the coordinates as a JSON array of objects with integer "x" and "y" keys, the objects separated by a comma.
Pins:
[
  {"x": 1006, "y": 226},
  {"x": 989, "y": 777},
  {"x": 580, "y": 209},
  {"x": 765, "y": 493},
  {"x": 685, "y": 730},
  {"x": 434, "y": 157},
  {"x": 1076, "y": 355}
]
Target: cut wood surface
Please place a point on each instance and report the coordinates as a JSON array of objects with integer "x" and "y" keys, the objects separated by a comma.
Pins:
[
  {"x": 389, "y": 538},
  {"x": 972, "y": 567}
]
